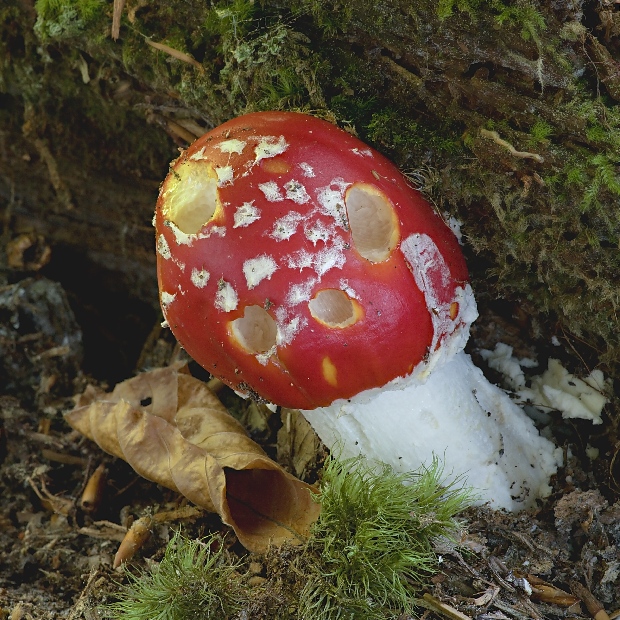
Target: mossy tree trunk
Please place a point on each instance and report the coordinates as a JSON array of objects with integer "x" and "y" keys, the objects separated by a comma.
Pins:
[{"x": 505, "y": 114}]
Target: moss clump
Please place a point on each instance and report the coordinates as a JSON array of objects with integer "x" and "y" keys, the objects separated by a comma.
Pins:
[
  {"x": 195, "y": 579},
  {"x": 372, "y": 546},
  {"x": 523, "y": 15},
  {"x": 66, "y": 19},
  {"x": 368, "y": 556}
]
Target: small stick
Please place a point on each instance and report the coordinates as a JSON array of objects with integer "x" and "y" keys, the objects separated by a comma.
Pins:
[
  {"x": 593, "y": 605},
  {"x": 445, "y": 610},
  {"x": 136, "y": 536},
  {"x": 61, "y": 457},
  {"x": 93, "y": 491},
  {"x": 182, "y": 56},
  {"x": 140, "y": 530},
  {"x": 119, "y": 5},
  {"x": 493, "y": 135}
]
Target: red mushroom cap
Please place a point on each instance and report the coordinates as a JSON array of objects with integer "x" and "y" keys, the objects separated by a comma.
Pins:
[{"x": 297, "y": 264}]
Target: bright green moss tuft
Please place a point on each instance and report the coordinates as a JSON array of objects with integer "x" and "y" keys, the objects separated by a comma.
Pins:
[
  {"x": 373, "y": 543},
  {"x": 540, "y": 132},
  {"x": 195, "y": 579}
]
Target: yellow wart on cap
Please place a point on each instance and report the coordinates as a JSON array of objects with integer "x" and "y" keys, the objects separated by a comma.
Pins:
[{"x": 330, "y": 373}]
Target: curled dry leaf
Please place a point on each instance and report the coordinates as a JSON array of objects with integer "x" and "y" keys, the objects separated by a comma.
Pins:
[{"x": 172, "y": 430}]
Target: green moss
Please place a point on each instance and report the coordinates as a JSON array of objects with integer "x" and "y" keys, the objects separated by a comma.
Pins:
[
  {"x": 368, "y": 556},
  {"x": 63, "y": 19},
  {"x": 540, "y": 132},
  {"x": 195, "y": 579},
  {"x": 522, "y": 15},
  {"x": 372, "y": 545}
]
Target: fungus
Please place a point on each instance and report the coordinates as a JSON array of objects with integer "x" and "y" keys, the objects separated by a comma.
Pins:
[{"x": 330, "y": 285}]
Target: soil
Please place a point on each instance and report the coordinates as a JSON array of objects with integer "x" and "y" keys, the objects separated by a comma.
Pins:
[{"x": 56, "y": 553}]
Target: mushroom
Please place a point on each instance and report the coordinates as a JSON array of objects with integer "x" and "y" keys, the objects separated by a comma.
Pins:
[{"x": 300, "y": 267}]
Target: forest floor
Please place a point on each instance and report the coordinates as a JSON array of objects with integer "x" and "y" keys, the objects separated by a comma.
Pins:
[{"x": 56, "y": 555}]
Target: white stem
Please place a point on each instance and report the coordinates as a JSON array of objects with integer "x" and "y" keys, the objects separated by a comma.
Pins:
[{"x": 456, "y": 415}]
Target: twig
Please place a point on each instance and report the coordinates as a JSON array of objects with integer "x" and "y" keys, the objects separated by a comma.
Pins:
[
  {"x": 442, "y": 608},
  {"x": 78, "y": 609},
  {"x": 119, "y": 5},
  {"x": 93, "y": 491},
  {"x": 493, "y": 135},
  {"x": 182, "y": 56},
  {"x": 593, "y": 605},
  {"x": 61, "y": 457},
  {"x": 140, "y": 531}
]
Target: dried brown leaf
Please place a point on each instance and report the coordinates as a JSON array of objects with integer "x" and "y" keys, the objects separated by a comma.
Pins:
[
  {"x": 172, "y": 430},
  {"x": 297, "y": 442}
]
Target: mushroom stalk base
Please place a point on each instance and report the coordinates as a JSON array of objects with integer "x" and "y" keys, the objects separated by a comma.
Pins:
[{"x": 456, "y": 415}]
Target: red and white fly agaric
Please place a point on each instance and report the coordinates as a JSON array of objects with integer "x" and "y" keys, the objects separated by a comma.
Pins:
[{"x": 300, "y": 266}]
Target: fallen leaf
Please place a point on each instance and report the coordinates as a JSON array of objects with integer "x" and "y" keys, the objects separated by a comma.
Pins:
[
  {"x": 172, "y": 430},
  {"x": 297, "y": 442}
]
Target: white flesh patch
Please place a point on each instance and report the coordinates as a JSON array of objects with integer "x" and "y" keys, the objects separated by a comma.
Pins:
[
  {"x": 167, "y": 299},
  {"x": 455, "y": 226},
  {"x": 257, "y": 269},
  {"x": 331, "y": 201},
  {"x": 182, "y": 238},
  {"x": 226, "y": 298},
  {"x": 163, "y": 249},
  {"x": 557, "y": 389},
  {"x": 232, "y": 146},
  {"x": 224, "y": 175},
  {"x": 307, "y": 169},
  {"x": 362, "y": 152},
  {"x": 270, "y": 146},
  {"x": 285, "y": 227},
  {"x": 427, "y": 266},
  {"x": 288, "y": 327},
  {"x": 271, "y": 191},
  {"x": 296, "y": 192},
  {"x": 287, "y": 330},
  {"x": 299, "y": 293},
  {"x": 198, "y": 155},
  {"x": 200, "y": 277},
  {"x": 301, "y": 259},
  {"x": 220, "y": 231},
  {"x": 344, "y": 285},
  {"x": 246, "y": 214},
  {"x": 327, "y": 258},
  {"x": 179, "y": 236},
  {"x": 319, "y": 231}
]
